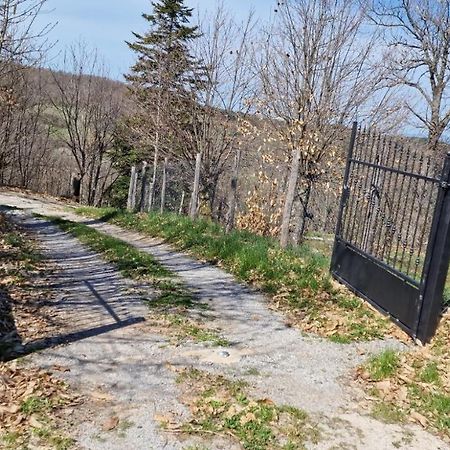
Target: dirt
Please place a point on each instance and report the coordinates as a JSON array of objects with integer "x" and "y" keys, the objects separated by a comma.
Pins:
[{"x": 124, "y": 365}]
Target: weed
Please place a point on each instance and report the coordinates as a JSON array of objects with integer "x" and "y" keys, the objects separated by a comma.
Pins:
[
  {"x": 430, "y": 373},
  {"x": 10, "y": 438},
  {"x": 123, "y": 427},
  {"x": 34, "y": 405},
  {"x": 383, "y": 365},
  {"x": 222, "y": 406},
  {"x": 252, "y": 371},
  {"x": 14, "y": 239},
  {"x": 53, "y": 438},
  {"x": 183, "y": 327},
  {"x": 388, "y": 413}
]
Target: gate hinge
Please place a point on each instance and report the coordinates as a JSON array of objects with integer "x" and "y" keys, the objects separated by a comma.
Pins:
[{"x": 445, "y": 185}]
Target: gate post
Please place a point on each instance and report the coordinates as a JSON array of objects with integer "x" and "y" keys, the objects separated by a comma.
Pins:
[
  {"x": 436, "y": 261},
  {"x": 345, "y": 187}
]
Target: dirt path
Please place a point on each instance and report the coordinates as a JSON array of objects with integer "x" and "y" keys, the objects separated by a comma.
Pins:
[{"x": 130, "y": 365}]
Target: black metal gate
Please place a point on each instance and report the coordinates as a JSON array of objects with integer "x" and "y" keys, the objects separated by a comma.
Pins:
[{"x": 392, "y": 243}]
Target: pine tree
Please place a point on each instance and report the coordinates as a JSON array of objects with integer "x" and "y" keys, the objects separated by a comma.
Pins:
[
  {"x": 164, "y": 61},
  {"x": 163, "y": 82}
]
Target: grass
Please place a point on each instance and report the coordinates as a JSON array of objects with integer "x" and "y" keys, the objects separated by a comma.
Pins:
[
  {"x": 131, "y": 262},
  {"x": 296, "y": 278},
  {"x": 383, "y": 365},
  {"x": 171, "y": 306},
  {"x": 412, "y": 385},
  {"x": 388, "y": 413},
  {"x": 34, "y": 405},
  {"x": 181, "y": 328},
  {"x": 223, "y": 407}
]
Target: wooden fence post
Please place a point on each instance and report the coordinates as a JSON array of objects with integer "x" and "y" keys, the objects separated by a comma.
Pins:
[
  {"x": 163, "y": 188},
  {"x": 233, "y": 193},
  {"x": 151, "y": 197},
  {"x": 144, "y": 187},
  {"x": 180, "y": 210},
  {"x": 131, "y": 202},
  {"x": 194, "y": 199}
]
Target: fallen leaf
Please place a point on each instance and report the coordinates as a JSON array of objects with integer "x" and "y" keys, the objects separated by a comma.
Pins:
[
  {"x": 102, "y": 396},
  {"x": 249, "y": 417},
  {"x": 34, "y": 422},
  {"x": 416, "y": 417},
  {"x": 110, "y": 423}
]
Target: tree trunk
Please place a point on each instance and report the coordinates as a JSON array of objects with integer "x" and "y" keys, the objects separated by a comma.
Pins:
[
  {"x": 290, "y": 197},
  {"x": 233, "y": 193},
  {"x": 163, "y": 188},
  {"x": 132, "y": 190},
  {"x": 302, "y": 217},
  {"x": 195, "y": 190}
]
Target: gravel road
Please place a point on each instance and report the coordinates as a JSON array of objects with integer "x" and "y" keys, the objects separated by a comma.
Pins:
[{"x": 128, "y": 362}]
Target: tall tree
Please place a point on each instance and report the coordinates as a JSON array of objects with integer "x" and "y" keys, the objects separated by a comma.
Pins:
[
  {"x": 418, "y": 57},
  {"x": 162, "y": 78},
  {"x": 314, "y": 73}
]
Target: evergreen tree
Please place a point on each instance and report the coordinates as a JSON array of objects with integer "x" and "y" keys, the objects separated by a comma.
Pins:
[
  {"x": 164, "y": 61},
  {"x": 163, "y": 83}
]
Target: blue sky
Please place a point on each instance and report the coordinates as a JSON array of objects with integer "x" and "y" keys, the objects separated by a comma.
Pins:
[{"x": 106, "y": 24}]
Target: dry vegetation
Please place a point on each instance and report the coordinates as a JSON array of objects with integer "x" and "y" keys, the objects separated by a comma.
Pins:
[
  {"x": 34, "y": 405},
  {"x": 23, "y": 292},
  {"x": 35, "y": 408},
  {"x": 412, "y": 386},
  {"x": 223, "y": 408}
]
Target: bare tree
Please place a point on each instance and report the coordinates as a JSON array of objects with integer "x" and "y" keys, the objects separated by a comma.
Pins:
[
  {"x": 223, "y": 96},
  {"x": 418, "y": 42},
  {"x": 314, "y": 74},
  {"x": 21, "y": 42},
  {"x": 90, "y": 109},
  {"x": 22, "y": 45}
]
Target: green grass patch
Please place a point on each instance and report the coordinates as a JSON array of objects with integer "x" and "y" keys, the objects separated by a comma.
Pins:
[
  {"x": 383, "y": 365},
  {"x": 35, "y": 405},
  {"x": 430, "y": 373},
  {"x": 388, "y": 413},
  {"x": 415, "y": 384},
  {"x": 222, "y": 406},
  {"x": 131, "y": 262},
  {"x": 181, "y": 328},
  {"x": 296, "y": 278}
]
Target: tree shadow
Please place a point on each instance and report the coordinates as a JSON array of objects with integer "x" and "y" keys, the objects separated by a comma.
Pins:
[{"x": 84, "y": 297}]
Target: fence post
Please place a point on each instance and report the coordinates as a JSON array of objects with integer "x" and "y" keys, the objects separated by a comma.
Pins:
[
  {"x": 151, "y": 197},
  {"x": 180, "y": 210},
  {"x": 144, "y": 187},
  {"x": 345, "y": 187},
  {"x": 132, "y": 190},
  {"x": 194, "y": 199},
  {"x": 233, "y": 193},
  {"x": 436, "y": 261},
  {"x": 163, "y": 188}
]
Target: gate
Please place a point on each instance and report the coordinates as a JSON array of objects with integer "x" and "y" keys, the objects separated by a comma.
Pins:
[{"x": 392, "y": 244}]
